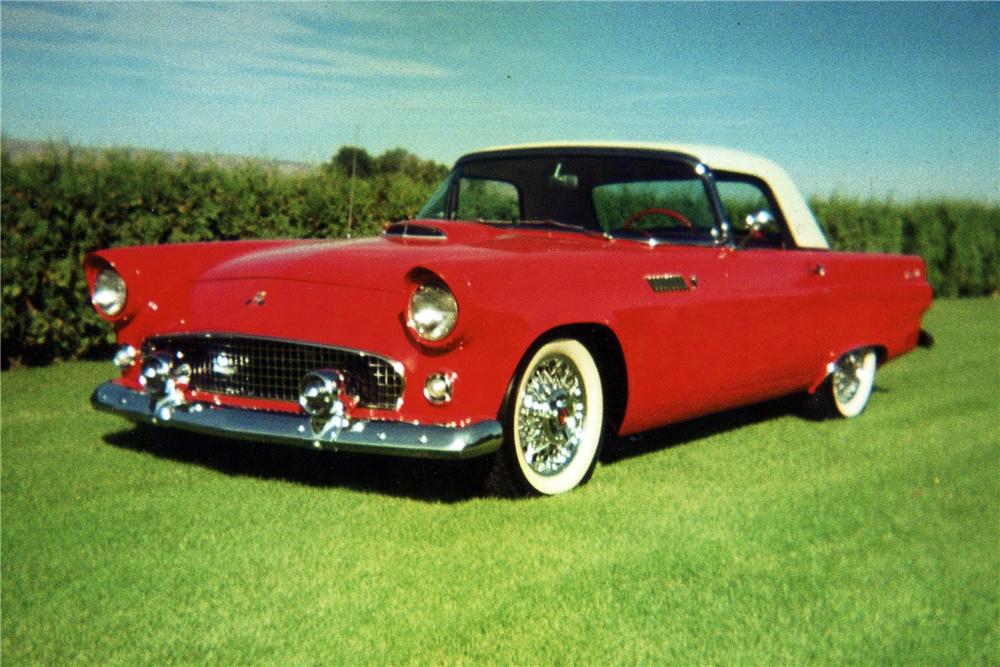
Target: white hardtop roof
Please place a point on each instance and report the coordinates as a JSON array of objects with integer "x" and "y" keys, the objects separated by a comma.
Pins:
[{"x": 801, "y": 223}]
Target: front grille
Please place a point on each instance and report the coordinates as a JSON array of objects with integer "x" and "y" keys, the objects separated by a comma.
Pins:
[{"x": 271, "y": 369}]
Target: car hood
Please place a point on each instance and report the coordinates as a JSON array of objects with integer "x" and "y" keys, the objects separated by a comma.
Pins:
[
  {"x": 367, "y": 263},
  {"x": 382, "y": 263}
]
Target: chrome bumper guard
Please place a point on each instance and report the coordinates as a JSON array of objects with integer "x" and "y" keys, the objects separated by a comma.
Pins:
[{"x": 379, "y": 437}]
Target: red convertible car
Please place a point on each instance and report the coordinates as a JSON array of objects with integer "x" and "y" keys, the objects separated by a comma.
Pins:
[{"x": 548, "y": 297}]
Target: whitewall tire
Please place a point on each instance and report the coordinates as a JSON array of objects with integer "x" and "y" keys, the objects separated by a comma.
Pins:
[
  {"x": 852, "y": 381},
  {"x": 845, "y": 392},
  {"x": 554, "y": 423}
]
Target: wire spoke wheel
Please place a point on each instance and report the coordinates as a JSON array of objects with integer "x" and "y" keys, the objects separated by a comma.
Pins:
[
  {"x": 554, "y": 423},
  {"x": 551, "y": 415},
  {"x": 852, "y": 380},
  {"x": 847, "y": 388},
  {"x": 847, "y": 377}
]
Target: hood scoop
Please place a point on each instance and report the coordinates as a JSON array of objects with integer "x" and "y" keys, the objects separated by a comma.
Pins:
[{"x": 415, "y": 230}]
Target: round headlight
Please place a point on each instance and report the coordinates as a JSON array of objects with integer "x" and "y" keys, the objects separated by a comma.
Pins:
[
  {"x": 433, "y": 311},
  {"x": 109, "y": 292}
]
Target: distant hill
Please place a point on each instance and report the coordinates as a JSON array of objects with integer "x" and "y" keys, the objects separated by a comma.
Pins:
[{"x": 19, "y": 148}]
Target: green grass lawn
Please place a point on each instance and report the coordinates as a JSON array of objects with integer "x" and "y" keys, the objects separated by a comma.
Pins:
[{"x": 752, "y": 537}]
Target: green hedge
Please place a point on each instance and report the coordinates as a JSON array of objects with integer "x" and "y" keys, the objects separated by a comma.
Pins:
[
  {"x": 959, "y": 240},
  {"x": 64, "y": 202}
]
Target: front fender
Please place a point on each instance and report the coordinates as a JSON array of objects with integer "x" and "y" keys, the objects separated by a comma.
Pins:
[{"x": 152, "y": 274}]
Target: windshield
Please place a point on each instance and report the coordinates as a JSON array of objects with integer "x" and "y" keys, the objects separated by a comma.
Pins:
[{"x": 642, "y": 197}]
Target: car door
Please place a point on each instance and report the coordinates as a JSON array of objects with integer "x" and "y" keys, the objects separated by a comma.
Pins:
[
  {"x": 719, "y": 326},
  {"x": 712, "y": 326},
  {"x": 776, "y": 299}
]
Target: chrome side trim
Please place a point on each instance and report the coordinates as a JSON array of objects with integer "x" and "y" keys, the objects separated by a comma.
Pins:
[
  {"x": 378, "y": 437},
  {"x": 668, "y": 282}
]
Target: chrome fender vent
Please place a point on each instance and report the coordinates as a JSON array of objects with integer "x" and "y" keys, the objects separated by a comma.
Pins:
[{"x": 670, "y": 282}]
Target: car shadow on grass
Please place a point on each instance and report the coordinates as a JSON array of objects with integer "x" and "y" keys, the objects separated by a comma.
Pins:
[
  {"x": 416, "y": 479},
  {"x": 693, "y": 430}
]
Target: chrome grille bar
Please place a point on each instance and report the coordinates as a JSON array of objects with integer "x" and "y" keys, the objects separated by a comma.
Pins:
[{"x": 268, "y": 368}]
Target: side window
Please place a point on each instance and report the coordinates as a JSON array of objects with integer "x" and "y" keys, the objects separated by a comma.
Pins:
[
  {"x": 745, "y": 196},
  {"x": 487, "y": 199},
  {"x": 653, "y": 205}
]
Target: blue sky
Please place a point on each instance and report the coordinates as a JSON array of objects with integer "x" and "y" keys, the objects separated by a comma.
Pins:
[{"x": 866, "y": 99}]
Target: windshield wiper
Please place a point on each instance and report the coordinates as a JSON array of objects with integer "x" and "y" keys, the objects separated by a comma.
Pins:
[{"x": 561, "y": 225}]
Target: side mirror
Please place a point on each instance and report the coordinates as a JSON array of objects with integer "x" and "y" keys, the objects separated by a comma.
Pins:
[{"x": 758, "y": 224}]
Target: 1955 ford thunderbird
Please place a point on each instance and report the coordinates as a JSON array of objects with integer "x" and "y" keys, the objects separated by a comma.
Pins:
[{"x": 548, "y": 297}]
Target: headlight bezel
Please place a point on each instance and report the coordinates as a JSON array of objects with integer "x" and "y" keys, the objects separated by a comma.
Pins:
[
  {"x": 427, "y": 297},
  {"x": 109, "y": 293}
]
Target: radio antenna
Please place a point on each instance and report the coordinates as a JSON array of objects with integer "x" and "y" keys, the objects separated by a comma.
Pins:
[
  {"x": 354, "y": 169},
  {"x": 350, "y": 196}
]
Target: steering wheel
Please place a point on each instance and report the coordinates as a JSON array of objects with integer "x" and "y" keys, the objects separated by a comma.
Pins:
[{"x": 670, "y": 213}]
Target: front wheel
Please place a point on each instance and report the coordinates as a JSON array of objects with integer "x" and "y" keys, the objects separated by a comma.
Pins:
[
  {"x": 554, "y": 423},
  {"x": 846, "y": 391}
]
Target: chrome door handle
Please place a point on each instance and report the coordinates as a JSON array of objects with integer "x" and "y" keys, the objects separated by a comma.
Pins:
[{"x": 819, "y": 270}]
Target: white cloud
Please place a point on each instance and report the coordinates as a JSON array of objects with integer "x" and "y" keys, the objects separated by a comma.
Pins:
[
  {"x": 328, "y": 60},
  {"x": 200, "y": 38}
]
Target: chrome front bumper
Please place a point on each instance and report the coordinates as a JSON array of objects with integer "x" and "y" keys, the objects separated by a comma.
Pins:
[{"x": 380, "y": 437}]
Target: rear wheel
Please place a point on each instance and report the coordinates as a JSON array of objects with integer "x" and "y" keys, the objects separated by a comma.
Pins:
[
  {"x": 554, "y": 423},
  {"x": 846, "y": 391}
]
